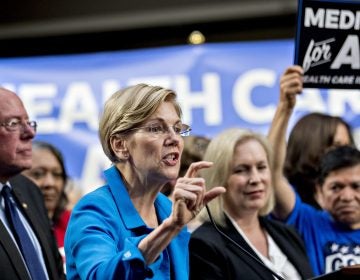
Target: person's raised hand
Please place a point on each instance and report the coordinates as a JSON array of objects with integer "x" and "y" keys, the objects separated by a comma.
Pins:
[
  {"x": 190, "y": 194},
  {"x": 291, "y": 84}
]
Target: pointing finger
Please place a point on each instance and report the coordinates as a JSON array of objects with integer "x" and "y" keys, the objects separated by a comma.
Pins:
[{"x": 192, "y": 172}]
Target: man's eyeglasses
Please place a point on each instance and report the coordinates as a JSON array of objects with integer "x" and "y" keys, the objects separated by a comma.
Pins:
[
  {"x": 162, "y": 129},
  {"x": 18, "y": 125}
]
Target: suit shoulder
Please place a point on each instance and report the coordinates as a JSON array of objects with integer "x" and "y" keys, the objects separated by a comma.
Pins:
[
  {"x": 278, "y": 225},
  {"x": 278, "y": 228},
  {"x": 24, "y": 184}
]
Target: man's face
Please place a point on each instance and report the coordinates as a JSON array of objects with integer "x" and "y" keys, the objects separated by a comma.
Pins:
[
  {"x": 340, "y": 195},
  {"x": 15, "y": 144}
]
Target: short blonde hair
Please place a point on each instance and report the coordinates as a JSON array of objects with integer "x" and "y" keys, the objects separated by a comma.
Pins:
[
  {"x": 128, "y": 108},
  {"x": 221, "y": 152}
]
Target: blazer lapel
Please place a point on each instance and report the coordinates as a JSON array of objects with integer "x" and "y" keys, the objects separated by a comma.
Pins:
[
  {"x": 291, "y": 253},
  {"x": 240, "y": 241},
  {"x": 15, "y": 257}
]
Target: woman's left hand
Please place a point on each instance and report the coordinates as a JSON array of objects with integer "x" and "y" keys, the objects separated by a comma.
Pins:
[{"x": 190, "y": 194}]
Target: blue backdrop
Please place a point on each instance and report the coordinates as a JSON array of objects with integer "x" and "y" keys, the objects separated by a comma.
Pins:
[{"x": 219, "y": 86}]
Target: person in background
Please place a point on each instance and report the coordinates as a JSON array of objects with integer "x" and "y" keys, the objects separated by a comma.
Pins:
[
  {"x": 128, "y": 229},
  {"x": 312, "y": 136},
  {"x": 49, "y": 174},
  {"x": 332, "y": 235},
  {"x": 194, "y": 150},
  {"x": 27, "y": 246},
  {"x": 242, "y": 163}
]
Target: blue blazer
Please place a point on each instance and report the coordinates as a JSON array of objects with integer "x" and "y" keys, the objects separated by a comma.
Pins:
[{"x": 104, "y": 231}]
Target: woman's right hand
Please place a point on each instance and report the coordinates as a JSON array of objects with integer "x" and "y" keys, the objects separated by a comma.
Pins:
[{"x": 190, "y": 194}]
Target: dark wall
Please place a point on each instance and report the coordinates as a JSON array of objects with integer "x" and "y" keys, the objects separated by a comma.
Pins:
[{"x": 71, "y": 26}]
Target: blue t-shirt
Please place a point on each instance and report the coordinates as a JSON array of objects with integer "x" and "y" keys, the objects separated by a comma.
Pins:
[{"x": 330, "y": 245}]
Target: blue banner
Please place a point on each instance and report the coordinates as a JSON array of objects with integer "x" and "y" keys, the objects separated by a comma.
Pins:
[{"x": 219, "y": 86}]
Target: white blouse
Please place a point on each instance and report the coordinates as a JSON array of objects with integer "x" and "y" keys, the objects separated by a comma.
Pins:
[{"x": 278, "y": 261}]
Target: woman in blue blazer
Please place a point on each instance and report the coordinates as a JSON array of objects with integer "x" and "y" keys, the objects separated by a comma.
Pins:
[{"x": 127, "y": 229}]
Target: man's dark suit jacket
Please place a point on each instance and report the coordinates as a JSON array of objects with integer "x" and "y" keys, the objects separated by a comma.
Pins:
[
  {"x": 31, "y": 201},
  {"x": 212, "y": 256}
]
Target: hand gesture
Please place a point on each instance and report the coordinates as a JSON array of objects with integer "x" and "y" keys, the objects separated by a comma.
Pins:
[{"x": 190, "y": 194}]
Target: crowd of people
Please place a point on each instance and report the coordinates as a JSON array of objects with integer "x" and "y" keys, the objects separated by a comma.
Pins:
[
  {"x": 238, "y": 206},
  {"x": 337, "y": 225}
]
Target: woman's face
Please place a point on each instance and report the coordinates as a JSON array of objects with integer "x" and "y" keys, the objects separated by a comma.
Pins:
[
  {"x": 46, "y": 172},
  {"x": 248, "y": 187},
  {"x": 341, "y": 136},
  {"x": 155, "y": 157}
]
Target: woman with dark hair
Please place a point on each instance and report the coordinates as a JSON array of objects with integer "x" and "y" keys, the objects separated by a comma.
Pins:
[
  {"x": 49, "y": 173},
  {"x": 311, "y": 137}
]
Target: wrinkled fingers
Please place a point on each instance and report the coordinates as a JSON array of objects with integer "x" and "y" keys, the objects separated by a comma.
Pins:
[{"x": 192, "y": 190}]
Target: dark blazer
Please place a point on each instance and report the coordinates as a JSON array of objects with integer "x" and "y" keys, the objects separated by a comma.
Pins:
[
  {"x": 214, "y": 257},
  {"x": 30, "y": 199}
]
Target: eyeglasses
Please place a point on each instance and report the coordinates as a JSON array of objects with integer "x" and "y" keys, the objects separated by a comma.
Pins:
[
  {"x": 18, "y": 125},
  {"x": 162, "y": 129}
]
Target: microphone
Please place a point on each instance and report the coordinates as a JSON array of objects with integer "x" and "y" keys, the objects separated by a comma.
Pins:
[{"x": 240, "y": 247}]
